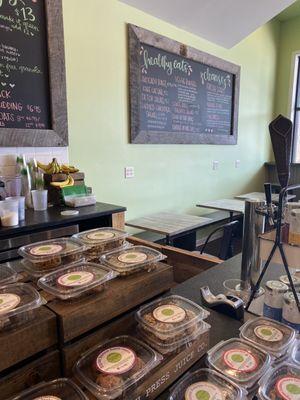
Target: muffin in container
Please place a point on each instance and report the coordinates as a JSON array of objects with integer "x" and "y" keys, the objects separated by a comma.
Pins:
[
  {"x": 76, "y": 280},
  {"x": 206, "y": 384},
  {"x": 132, "y": 260},
  {"x": 18, "y": 304},
  {"x": 58, "y": 389},
  {"x": 101, "y": 240},
  {"x": 114, "y": 369}
]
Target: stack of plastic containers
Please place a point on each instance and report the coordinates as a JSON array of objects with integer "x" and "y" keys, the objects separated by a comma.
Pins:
[
  {"x": 131, "y": 260},
  {"x": 18, "y": 304},
  {"x": 114, "y": 369},
  {"x": 241, "y": 362},
  {"x": 59, "y": 389},
  {"x": 170, "y": 323},
  {"x": 44, "y": 257},
  {"x": 7, "y": 274},
  {"x": 206, "y": 384},
  {"x": 101, "y": 240},
  {"x": 76, "y": 280},
  {"x": 281, "y": 383},
  {"x": 270, "y": 336}
]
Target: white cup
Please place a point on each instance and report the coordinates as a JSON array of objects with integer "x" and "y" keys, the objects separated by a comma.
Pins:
[
  {"x": 10, "y": 213},
  {"x": 21, "y": 201},
  {"x": 40, "y": 200}
]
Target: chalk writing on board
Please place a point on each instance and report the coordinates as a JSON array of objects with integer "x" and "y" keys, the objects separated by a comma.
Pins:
[{"x": 24, "y": 81}]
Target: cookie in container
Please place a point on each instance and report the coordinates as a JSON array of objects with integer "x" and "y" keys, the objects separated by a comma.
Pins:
[
  {"x": 42, "y": 257},
  {"x": 281, "y": 383},
  {"x": 239, "y": 361},
  {"x": 18, "y": 304},
  {"x": 132, "y": 260},
  {"x": 114, "y": 369},
  {"x": 101, "y": 240},
  {"x": 206, "y": 384},
  {"x": 77, "y": 279},
  {"x": 58, "y": 389}
]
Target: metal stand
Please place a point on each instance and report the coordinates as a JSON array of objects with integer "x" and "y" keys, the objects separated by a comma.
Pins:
[{"x": 277, "y": 244}]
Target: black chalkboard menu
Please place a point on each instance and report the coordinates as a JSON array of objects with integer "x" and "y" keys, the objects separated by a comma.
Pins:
[
  {"x": 24, "y": 75},
  {"x": 180, "y": 99}
]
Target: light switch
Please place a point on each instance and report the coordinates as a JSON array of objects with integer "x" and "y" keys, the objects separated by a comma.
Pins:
[
  {"x": 129, "y": 172},
  {"x": 215, "y": 165},
  {"x": 237, "y": 163}
]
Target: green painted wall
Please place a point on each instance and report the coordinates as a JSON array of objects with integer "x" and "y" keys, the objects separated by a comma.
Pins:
[{"x": 168, "y": 177}]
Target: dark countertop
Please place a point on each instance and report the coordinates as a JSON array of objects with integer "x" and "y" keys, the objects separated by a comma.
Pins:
[
  {"x": 222, "y": 327},
  {"x": 53, "y": 218}
]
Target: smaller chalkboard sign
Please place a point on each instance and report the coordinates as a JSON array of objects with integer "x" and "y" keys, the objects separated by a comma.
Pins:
[{"x": 179, "y": 94}]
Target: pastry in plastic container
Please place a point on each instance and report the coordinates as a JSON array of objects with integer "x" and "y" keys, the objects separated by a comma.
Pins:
[
  {"x": 173, "y": 346},
  {"x": 101, "y": 240},
  {"x": 172, "y": 318},
  {"x": 132, "y": 260},
  {"x": 206, "y": 384},
  {"x": 240, "y": 361},
  {"x": 269, "y": 335},
  {"x": 76, "y": 279},
  {"x": 18, "y": 304},
  {"x": 7, "y": 274},
  {"x": 114, "y": 369},
  {"x": 49, "y": 255},
  {"x": 58, "y": 389},
  {"x": 281, "y": 383}
]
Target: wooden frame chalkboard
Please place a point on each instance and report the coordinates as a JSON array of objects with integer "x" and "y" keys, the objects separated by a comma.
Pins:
[
  {"x": 57, "y": 135},
  {"x": 139, "y": 39}
]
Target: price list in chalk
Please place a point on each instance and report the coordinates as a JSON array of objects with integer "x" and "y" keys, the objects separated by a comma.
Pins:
[
  {"x": 24, "y": 78},
  {"x": 183, "y": 96}
]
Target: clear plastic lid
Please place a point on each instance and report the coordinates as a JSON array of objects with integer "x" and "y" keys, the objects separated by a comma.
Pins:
[
  {"x": 51, "y": 249},
  {"x": 171, "y": 316},
  {"x": 132, "y": 259},
  {"x": 271, "y": 336},
  {"x": 206, "y": 384},
  {"x": 239, "y": 360},
  {"x": 296, "y": 353},
  {"x": 7, "y": 274},
  {"x": 281, "y": 383},
  {"x": 18, "y": 298},
  {"x": 76, "y": 279},
  {"x": 114, "y": 369},
  {"x": 98, "y": 236},
  {"x": 59, "y": 389}
]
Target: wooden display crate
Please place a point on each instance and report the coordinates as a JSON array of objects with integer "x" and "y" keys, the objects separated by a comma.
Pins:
[
  {"x": 121, "y": 295},
  {"x": 28, "y": 339}
]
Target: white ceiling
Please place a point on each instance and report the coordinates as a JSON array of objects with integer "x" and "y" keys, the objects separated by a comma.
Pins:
[{"x": 224, "y": 22}]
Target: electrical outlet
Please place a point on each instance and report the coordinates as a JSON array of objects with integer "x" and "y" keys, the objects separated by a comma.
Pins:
[
  {"x": 215, "y": 165},
  {"x": 237, "y": 163},
  {"x": 129, "y": 172}
]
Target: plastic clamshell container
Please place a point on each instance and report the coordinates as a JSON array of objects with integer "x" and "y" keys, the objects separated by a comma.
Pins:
[
  {"x": 281, "y": 383},
  {"x": 132, "y": 260},
  {"x": 171, "y": 317},
  {"x": 296, "y": 353},
  {"x": 101, "y": 240},
  {"x": 76, "y": 280},
  {"x": 7, "y": 274},
  {"x": 51, "y": 254},
  {"x": 207, "y": 381},
  {"x": 269, "y": 335},
  {"x": 18, "y": 302},
  {"x": 114, "y": 369},
  {"x": 173, "y": 346},
  {"x": 59, "y": 389},
  {"x": 240, "y": 361}
]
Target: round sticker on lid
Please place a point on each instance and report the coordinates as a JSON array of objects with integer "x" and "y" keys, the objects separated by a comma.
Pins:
[
  {"x": 8, "y": 301},
  {"x": 268, "y": 333},
  {"x": 288, "y": 388},
  {"x": 100, "y": 235},
  {"x": 76, "y": 278},
  {"x": 240, "y": 360},
  {"x": 116, "y": 360},
  {"x": 203, "y": 391},
  {"x": 169, "y": 313},
  {"x": 47, "y": 398},
  {"x": 46, "y": 250},
  {"x": 132, "y": 257}
]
